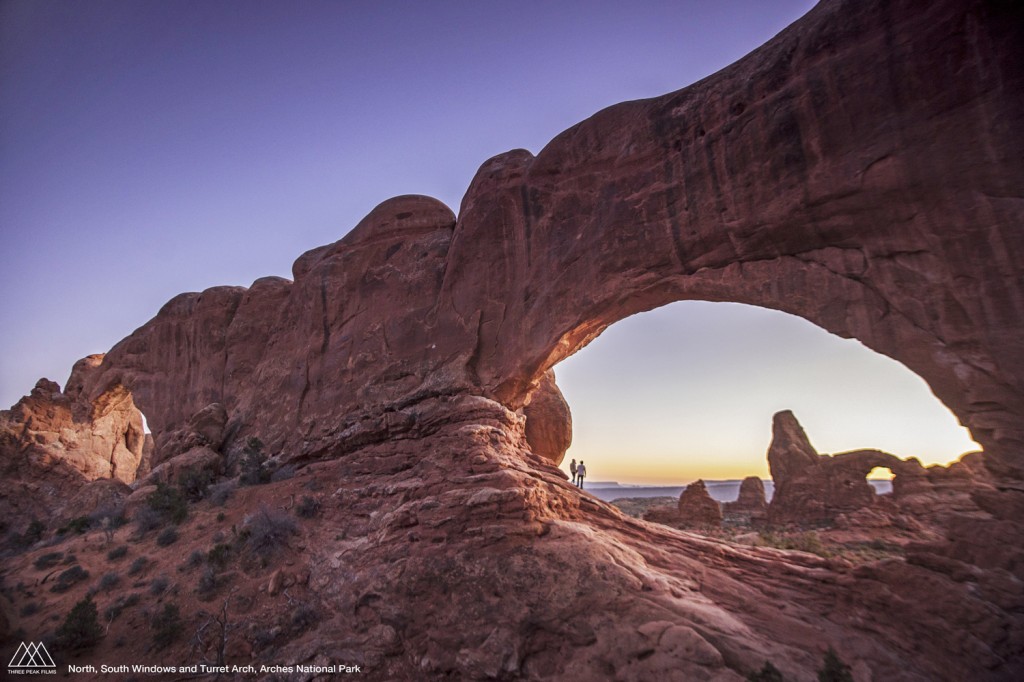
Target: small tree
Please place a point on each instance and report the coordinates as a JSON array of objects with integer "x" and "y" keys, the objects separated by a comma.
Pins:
[
  {"x": 167, "y": 626},
  {"x": 254, "y": 471},
  {"x": 169, "y": 503},
  {"x": 834, "y": 670},
  {"x": 81, "y": 628}
]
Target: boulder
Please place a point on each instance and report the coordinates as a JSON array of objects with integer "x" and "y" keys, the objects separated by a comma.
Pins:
[{"x": 548, "y": 421}]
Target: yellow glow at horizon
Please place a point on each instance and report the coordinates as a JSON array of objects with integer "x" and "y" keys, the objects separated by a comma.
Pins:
[{"x": 647, "y": 411}]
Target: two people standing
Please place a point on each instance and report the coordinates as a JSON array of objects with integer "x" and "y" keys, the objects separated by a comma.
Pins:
[{"x": 578, "y": 472}]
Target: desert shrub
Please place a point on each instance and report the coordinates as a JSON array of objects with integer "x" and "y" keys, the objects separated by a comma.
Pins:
[
  {"x": 168, "y": 536},
  {"x": 48, "y": 560},
  {"x": 147, "y": 519},
  {"x": 69, "y": 559},
  {"x": 803, "y": 542},
  {"x": 169, "y": 503},
  {"x": 308, "y": 507},
  {"x": 114, "y": 611},
  {"x": 219, "y": 555},
  {"x": 32, "y": 535},
  {"x": 267, "y": 531},
  {"x": 304, "y": 617},
  {"x": 69, "y": 578},
  {"x": 194, "y": 483},
  {"x": 110, "y": 516},
  {"x": 117, "y": 553},
  {"x": 29, "y": 609},
  {"x": 194, "y": 559},
  {"x": 208, "y": 583},
  {"x": 769, "y": 673},
  {"x": 253, "y": 465},
  {"x": 220, "y": 493},
  {"x": 283, "y": 473},
  {"x": 167, "y": 626},
  {"x": 75, "y": 526},
  {"x": 159, "y": 585},
  {"x": 81, "y": 628},
  {"x": 109, "y": 581},
  {"x": 138, "y": 565},
  {"x": 833, "y": 669}
]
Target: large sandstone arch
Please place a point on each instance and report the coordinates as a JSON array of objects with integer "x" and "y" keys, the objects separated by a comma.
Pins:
[{"x": 862, "y": 170}]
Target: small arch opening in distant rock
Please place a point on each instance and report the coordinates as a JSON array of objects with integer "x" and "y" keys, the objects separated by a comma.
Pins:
[{"x": 880, "y": 478}]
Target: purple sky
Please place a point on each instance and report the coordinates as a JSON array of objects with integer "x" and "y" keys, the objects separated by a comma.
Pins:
[{"x": 149, "y": 148}]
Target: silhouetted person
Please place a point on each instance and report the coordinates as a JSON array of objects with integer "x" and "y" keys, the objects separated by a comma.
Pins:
[
  {"x": 572, "y": 470},
  {"x": 581, "y": 472}
]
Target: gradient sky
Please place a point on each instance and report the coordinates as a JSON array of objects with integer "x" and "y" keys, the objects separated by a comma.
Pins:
[{"x": 149, "y": 148}]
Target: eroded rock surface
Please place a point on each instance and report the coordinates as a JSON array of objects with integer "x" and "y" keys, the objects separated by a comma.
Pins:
[
  {"x": 861, "y": 170},
  {"x": 548, "y": 421}
]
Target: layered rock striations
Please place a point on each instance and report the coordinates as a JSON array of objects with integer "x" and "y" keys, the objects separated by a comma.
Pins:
[{"x": 862, "y": 170}]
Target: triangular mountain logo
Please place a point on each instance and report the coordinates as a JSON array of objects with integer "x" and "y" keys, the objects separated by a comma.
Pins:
[{"x": 32, "y": 655}]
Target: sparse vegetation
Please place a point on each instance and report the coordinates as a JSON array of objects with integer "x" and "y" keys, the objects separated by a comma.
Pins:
[
  {"x": 80, "y": 629},
  {"x": 253, "y": 465},
  {"x": 267, "y": 531},
  {"x": 283, "y": 473},
  {"x": 117, "y": 553},
  {"x": 32, "y": 535},
  {"x": 69, "y": 578},
  {"x": 219, "y": 555},
  {"x": 75, "y": 526},
  {"x": 138, "y": 565},
  {"x": 220, "y": 493},
  {"x": 109, "y": 581},
  {"x": 159, "y": 585},
  {"x": 833, "y": 669},
  {"x": 308, "y": 507},
  {"x": 168, "y": 536},
  {"x": 147, "y": 519},
  {"x": 804, "y": 542},
  {"x": 29, "y": 609},
  {"x": 194, "y": 483},
  {"x": 304, "y": 617},
  {"x": 48, "y": 560},
  {"x": 768, "y": 673},
  {"x": 208, "y": 583},
  {"x": 196, "y": 558},
  {"x": 169, "y": 503},
  {"x": 167, "y": 626},
  {"x": 113, "y": 611}
]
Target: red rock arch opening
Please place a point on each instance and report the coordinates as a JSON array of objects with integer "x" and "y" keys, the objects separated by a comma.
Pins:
[{"x": 687, "y": 391}]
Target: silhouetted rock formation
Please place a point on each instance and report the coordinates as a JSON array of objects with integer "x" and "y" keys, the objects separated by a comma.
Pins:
[
  {"x": 751, "y": 506},
  {"x": 860, "y": 170}
]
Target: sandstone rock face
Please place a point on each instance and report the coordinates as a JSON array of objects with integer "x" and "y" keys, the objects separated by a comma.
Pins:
[
  {"x": 698, "y": 508},
  {"x": 815, "y": 489},
  {"x": 861, "y": 170},
  {"x": 548, "y": 421},
  {"x": 869, "y": 217},
  {"x": 100, "y": 438}
]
